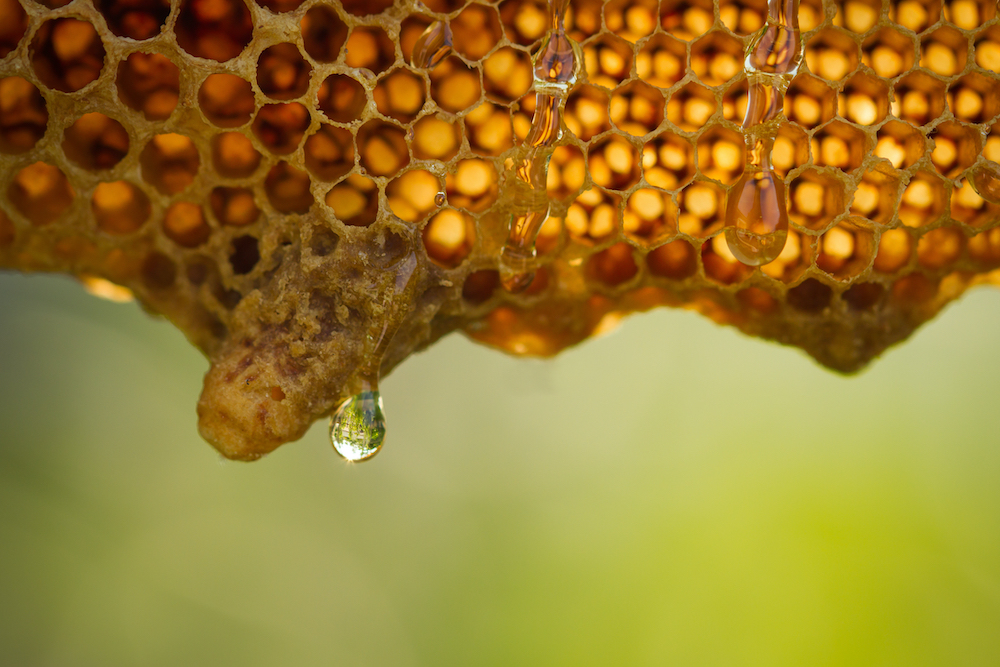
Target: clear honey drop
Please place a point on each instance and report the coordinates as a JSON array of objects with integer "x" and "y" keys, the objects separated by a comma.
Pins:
[{"x": 433, "y": 45}]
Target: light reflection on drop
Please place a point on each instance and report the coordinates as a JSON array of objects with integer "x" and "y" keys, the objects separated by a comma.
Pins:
[
  {"x": 985, "y": 180},
  {"x": 433, "y": 46}
]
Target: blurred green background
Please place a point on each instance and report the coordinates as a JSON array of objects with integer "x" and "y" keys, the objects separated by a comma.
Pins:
[{"x": 671, "y": 494}]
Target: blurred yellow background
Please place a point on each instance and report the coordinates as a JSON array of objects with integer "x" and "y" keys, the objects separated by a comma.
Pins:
[{"x": 672, "y": 494}]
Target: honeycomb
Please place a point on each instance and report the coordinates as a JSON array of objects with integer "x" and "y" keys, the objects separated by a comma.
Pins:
[{"x": 259, "y": 172}]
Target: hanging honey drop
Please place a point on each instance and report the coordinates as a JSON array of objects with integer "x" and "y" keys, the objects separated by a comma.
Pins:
[
  {"x": 985, "y": 180},
  {"x": 433, "y": 45}
]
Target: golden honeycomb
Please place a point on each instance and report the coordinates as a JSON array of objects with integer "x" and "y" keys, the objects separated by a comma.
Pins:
[{"x": 259, "y": 172}]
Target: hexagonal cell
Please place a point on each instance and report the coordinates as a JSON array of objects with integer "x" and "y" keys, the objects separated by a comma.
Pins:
[
  {"x": 436, "y": 139},
  {"x": 288, "y": 189},
  {"x": 847, "y": 250},
  {"x": 95, "y": 142},
  {"x": 810, "y": 296},
  {"x": 233, "y": 207},
  {"x": 184, "y": 224},
  {"x": 940, "y": 247},
  {"x": 815, "y": 199},
  {"x": 985, "y": 247},
  {"x": 944, "y": 51},
  {"x": 414, "y": 194},
  {"x": 354, "y": 200},
  {"x": 686, "y": 19},
  {"x": 661, "y": 61},
  {"x": 524, "y": 21},
  {"x": 956, "y": 147},
  {"x": 734, "y": 101},
  {"x": 811, "y": 14},
  {"x": 889, "y": 52},
  {"x": 140, "y": 19},
  {"x": 522, "y": 115},
  {"x": 365, "y": 7},
  {"x": 587, "y": 111},
  {"x": 988, "y": 49},
  {"x": 676, "y": 260},
  {"x": 119, "y": 207},
  {"x": 863, "y": 296},
  {"x": 631, "y": 19},
  {"x": 790, "y": 150},
  {"x": 586, "y": 19},
  {"x": 840, "y": 145},
  {"x": 716, "y": 58},
  {"x": 637, "y": 108},
  {"x": 382, "y": 148},
  {"x": 324, "y": 33},
  {"x": 473, "y": 185},
  {"x": 214, "y": 29},
  {"x": 226, "y": 100},
  {"x": 234, "y": 156},
  {"x": 23, "y": 116},
  {"x": 479, "y": 286},
  {"x": 650, "y": 216},
  {"x": 596, "y": 215},
  {"x": 877, "y": 195},
  {"x": 449, "y": 237},
  {"x": 280, "y": 6},
  {"x": 721, "y": 266},
  {"x": 608, "y": 60},
  {"x": 371, "y": 48},
  {"x": 489, "y": 129},
  {"x": 974, "y": 98},
  {"x": 900, "y": 143},
  {"x": 612, "y": 266},
  {"x": 67, "y": 54},
  {"x": 282, "y": 72},
  {"x": 280, "y": 127},
  {"x": 14, "y": 26},
  {"x": 614, "y": 163},
  {"x": 916, "y": 15},
  {"x": 918, "y": 98},
  {"x": 329, "y": 153},
  {"x": 150, "y": 84},
  {"x": 158, "y": 271},
  {"x": 794, "y": 259},
  {"x": 721, "y": 154},
  {"x": 832, "y": 54},
  {"x": 169, "y": 162},
  {"x": 809, "y": 101},
  {"x": 668, "y": 161},
  {"x": 455, "y": 86},
  {"x": 342, "y": 98},
  {"x": 864, "y": 100},
  {"x": 967, "y": 14},
  {"x": 507, "y": 75},
  {"x": 476, "y": 30},
  {"x": 743, "y": 17},
  {"x": 41, "y": 193},
  {"x": 859, "y": 16},
  {"x": 971, "y": 209},
  {"x": 923, "y": 200},
  {"x": 245, "y": 255},
  {"x": 567, "y": 173},
  {"x": 701, "y": 209},
  {"x": 690, "y": 107}
]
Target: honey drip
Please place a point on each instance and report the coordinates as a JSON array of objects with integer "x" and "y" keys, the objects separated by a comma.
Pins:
[
  {"x": 985, "y": 180},
  {"x": 756, "y": 212},
  {"x": 556, "y": 68},
  {"x": 433, "y": 46},
  {"x": 357, "y": 428}
]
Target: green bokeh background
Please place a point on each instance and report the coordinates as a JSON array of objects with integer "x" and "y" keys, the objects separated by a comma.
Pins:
[{"x": 672, "y": 494}]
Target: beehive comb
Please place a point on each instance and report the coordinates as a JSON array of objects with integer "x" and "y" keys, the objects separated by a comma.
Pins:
[{"x": 258, "y": 173}]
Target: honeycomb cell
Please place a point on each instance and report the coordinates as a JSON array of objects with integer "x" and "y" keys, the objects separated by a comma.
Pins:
[
  {"x": 889, "y": 52},
  {"x": 944, "y": 51},
  {"x": 832, "y": 54},
  {"x": 95, "y": 142},
  {"x": 690, "y": 107},
  {"x": 169, "y": 163},
  {"x": 226, "y": 100},
  {"x": 436, "y": 139},
  {"x": 473, "y": 185},
  {"x": 233, "y": 207},
  {"x": 489, "y": 129},
  {"x": 13, "y": 25},
  {"x": 877, "y": 195},
  {"x": 41, "y": 193},
  {"x": 637, "y": 108},
  {"x": 382, "y": 148},
  {"x": 966, "y": 14},
  {"x": 721, "y": 266},
  {"x": 587, "y": 111},
  {"x": 974, "y": 98},
  {"x": 158, "y": 272},
  {"x": 847, "y": 250},
  {"x": 676, "y": 260},
  {"x": 863, "y": 296},
  {"x": 234, "y": 155},
  {"x": 810, "y": 296},
  {"x": 650, "y": 217},
  {"x": 448, "y": 237},
  {"x": 900, "y": 143},
  {"x": 150, "y": 84},
  {"x": 919, "y": 98},
  {"x": 371, "y": 48},
  {"x": 956, "y": 148},
  {"x": 214, "y": 29},
  {"x": 840, "y": 145},
  {"x": 613, "y": 266},
  {"x": 686, "y": 19},
  {"x": 365, "y": 7},
  {"x": 342, "y": 98},
  {"x": 567, "y": 173},
  {"x": 987, "y": 49},
  {"x": 717, "y": 58},
  {"x": 923, "y": 200},
  {"x": 594, "y": 216},
  {"x": 354, "y": 200},
  {"x": 915, "y": 15},
  {"x": 282, "y": 72},
  {"x": 136, "y": 19},
  {"x": 701, "y": 209},
  {"x": 479, "y": 286},
  {"x": 507, "y": 75},
  {"x": 743, "y": 17},
  {"x": 280, "y": 6},
  {"x": 280, "y": 127},
  {"x": 661, "y": 61},
  {"x": 23, "y": 115},
  {"x": 811, "y": 14},
  {"x": 455, "y": 86},
  {"x": 985, "y": 247},
  {"x": 329, "y": 153},
  {"x": 864, "y": 100},
  {"x": 721, "y": 154},
  {"x": 184, "y": 224},
  {"x": 476, "y": 30},
  {"x": 400, "y": 95},
  {"x": 792, "y": 261},
  {"x": 524, "y": 21},
  {"x": 324, "y": 33},
  {"x": 969, "y": 208},
  {"x": 245, "y": 255},
  {"x": 790, "y": 150},
  {"x": 67, "y": 54},
  {"x": 614, "y": 163},
  {"x": 810, "y": 102},
  {"x": 608, "y": 60},
  {"x": 288, "y": 189},
  {"x": 586, "y": 19},
  {"x": 815, "y": 199},
  {"x": 413, "y": 195},
  {"x": 860, "y": 16},
  {"x": 119, "y": 207},
  {"x": 940, "y": 247}
]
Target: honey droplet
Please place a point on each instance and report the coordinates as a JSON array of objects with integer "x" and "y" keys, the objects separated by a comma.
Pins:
[
  {"x": 357, "y": 430},
  {"x": 985, "y": 180},
  {"x": 433, "y": 45},
  {"x": 756, "y": 218},
  {"x": 439, "y": 199}
]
